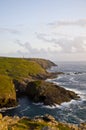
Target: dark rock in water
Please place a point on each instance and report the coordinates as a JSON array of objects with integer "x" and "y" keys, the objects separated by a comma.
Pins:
[
  {"x": 48, "y": 93},
  {"x": 77, "y": 72}
]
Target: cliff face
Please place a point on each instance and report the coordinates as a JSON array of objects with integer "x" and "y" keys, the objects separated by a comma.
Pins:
[{"x": 46, "y": 122}]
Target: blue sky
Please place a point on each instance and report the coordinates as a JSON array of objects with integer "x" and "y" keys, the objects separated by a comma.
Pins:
[{"x": 52, "y": 29}]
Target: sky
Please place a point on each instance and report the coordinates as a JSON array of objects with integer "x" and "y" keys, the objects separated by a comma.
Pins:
[{"x": 50, "y": 29}]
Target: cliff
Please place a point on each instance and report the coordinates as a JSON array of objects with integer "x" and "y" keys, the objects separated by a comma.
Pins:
[{"x": 15, "y": 73}]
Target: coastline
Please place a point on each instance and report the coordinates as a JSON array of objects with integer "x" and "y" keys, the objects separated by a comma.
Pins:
[
  {"x": 55, "y": 107},
  {"x": 51, "y": 75}
]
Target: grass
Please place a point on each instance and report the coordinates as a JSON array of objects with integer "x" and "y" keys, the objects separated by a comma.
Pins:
[
  {"x": 7, "y": 91},
  {"x": 6, "y": 87},
  {"x": 63, "y": 127},
  {"x": 19, "y": 67},
  {"x": 25, "y": 124}
]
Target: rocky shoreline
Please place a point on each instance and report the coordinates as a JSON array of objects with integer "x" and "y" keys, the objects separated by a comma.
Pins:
[{"x": 38, "y": 90}]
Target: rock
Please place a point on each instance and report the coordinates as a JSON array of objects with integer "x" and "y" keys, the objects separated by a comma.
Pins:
[
  {"x": 47, "y": 128},
  {"x": 48, "y": 93},
  {"x": 82, "y": 126},
  {"x": 48, "y": 117}
]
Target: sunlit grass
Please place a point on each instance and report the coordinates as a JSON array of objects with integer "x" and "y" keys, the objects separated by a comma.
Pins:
[{"x": 18, "y": 67}]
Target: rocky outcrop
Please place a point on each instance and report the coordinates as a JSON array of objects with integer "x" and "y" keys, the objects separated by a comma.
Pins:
[
  {"x": 46, "y": 122},
  {"x": 48, "y": 93}
]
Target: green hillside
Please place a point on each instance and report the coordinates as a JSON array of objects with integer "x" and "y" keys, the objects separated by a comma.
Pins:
[{"x": 19, "y": 68}]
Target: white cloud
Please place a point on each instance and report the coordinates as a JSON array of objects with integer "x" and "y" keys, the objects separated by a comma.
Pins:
[
  {"x": 80, "y": 22},
  {"x": 56, "y": 44},
  {"x": 65, "y": 44},
  {"x": 67, "y": 39}
]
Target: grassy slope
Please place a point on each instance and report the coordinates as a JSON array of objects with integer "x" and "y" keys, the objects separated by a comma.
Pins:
[
  {"x": 19, "y": 68},
  {"x": 6, "y": 86}
]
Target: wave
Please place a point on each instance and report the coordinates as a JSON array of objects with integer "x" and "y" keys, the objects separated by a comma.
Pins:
[
  {"x": 8, "y": 108},
  {"x": 80, "y": 93},
  {"x": 64, "y": 105},
  {"x": 75, "y": 73},
  {"x": 51, "y": 107},
  {"x": 25, "y": 109},
  {"x": 73, "y": 102},
  {"x": 72, "y": 79},
  {"x": 38, "y": 104}
]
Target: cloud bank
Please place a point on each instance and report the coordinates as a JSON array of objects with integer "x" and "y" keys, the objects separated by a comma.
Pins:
[
  {"x": 8, "y": 30},
  {"x": 66, "y": 45}
]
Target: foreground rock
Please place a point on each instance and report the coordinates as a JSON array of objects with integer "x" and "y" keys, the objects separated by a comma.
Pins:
[
  {"x": 48, "y": 93},
  {"x": 46, "y": 122}
]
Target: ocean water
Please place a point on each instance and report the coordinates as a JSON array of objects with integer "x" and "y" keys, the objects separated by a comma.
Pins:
[{"x": 74, "y": 78}]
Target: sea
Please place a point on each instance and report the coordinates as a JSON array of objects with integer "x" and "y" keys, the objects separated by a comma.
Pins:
[{"x": 74, "y": 78}]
